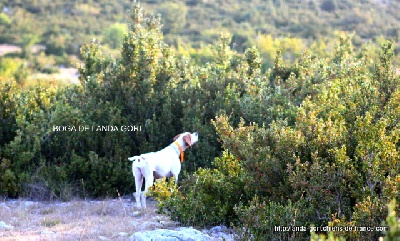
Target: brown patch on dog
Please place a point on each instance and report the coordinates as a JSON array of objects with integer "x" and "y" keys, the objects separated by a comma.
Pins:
[
  {"x": 187, "y": 140},
  {"x": 176, "y": 137}
]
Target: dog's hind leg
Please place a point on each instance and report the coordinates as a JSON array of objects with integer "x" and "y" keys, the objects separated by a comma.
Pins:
[{"x": 138, "y": 184}]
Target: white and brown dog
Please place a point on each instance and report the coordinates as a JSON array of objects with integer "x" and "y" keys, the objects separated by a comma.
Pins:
[{"x": 163, "y": 163}]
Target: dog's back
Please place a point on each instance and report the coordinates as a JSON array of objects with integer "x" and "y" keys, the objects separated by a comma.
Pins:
[{"x": 163, "y": 163}]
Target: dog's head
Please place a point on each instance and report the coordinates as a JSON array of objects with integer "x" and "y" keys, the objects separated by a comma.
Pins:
[{"x": 188, "y": 139}]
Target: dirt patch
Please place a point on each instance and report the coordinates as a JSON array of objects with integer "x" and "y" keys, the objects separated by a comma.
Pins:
[
  {"x": 12, "y": 48},
  {"x": 113, "y": 219},
  {"x": 9, "y": 48},
  {"x": 66, "y": 75}
]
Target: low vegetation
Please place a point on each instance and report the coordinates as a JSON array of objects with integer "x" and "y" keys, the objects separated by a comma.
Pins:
[{"x": 112, "y": 219}]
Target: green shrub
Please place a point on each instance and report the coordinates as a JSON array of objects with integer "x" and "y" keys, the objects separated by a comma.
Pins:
[
  {"x": 208, "y": 196},
  {"x": 392, "y": 225},
  {"x": 333, "y": 157},
  {"x": 8, "y": 180},
  {"x": 393, "y": 222},
  {"x": 261, "y": 220}
]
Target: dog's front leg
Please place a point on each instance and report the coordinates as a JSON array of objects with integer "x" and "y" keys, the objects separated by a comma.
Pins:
[
  {"x": 176, "y": 179},
  {"x": 148, "y": 183}
]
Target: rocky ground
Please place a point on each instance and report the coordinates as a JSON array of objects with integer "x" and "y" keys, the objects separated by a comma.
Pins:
[{"x": 113, "y": 219}]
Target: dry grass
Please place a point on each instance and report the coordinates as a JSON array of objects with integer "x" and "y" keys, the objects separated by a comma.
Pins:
[
  {"x": 65, "y": 75},
  {"x": 114, "y": 219}
]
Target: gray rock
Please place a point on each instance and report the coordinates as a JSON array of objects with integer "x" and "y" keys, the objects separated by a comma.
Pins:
[
  {"x": 179, "y": 234},
  {"x": 136, "y": 213},
  {"x": 223, "y": 237},
  {"x": 29, "y": 203},
  {"x": 218, "y": 229},
  {"x": 123, "y": 234},
  {"x": 220, "y": 233},
  {"x": 148, "y": 225},
  {"x": 3, "y": 225},
  {"x": 168, "y": 223},
  {"x": 3, "y": 205},
  {"x": 157, "y": 218}
]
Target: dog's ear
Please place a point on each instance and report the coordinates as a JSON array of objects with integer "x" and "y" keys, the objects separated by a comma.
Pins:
[
  {"x": 176, "y": 137},
  {"x": 187, "y": 139}
]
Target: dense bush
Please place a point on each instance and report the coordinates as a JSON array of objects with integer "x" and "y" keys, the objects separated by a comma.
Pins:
[
  {"x": 206, "y": 198},
  {"x": 326, "y": 155},
  {"x": 147, "y": 87}
]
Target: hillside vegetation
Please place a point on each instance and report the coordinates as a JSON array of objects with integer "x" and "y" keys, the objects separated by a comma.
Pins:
[
  {"x": 63, "y": 26},
  {"x": 60, "y": 29},
  {"x": 312, "y": 141}
]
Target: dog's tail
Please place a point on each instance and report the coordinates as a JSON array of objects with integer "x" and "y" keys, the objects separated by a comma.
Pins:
[
  {"x": 137, "y": 158},
  {"x": 134, "y": 158}
]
